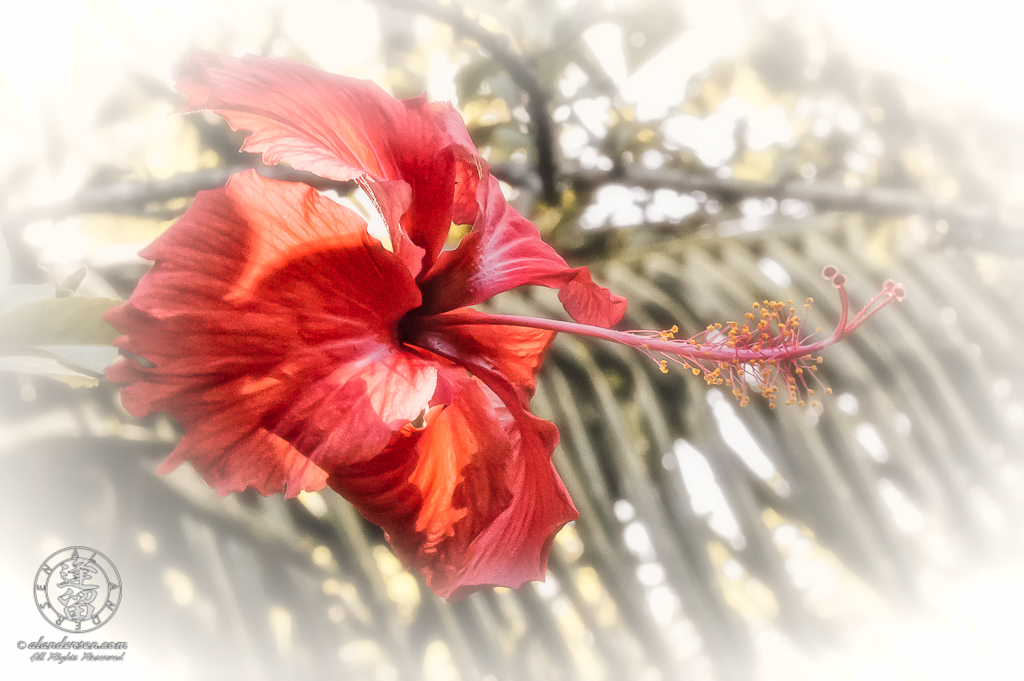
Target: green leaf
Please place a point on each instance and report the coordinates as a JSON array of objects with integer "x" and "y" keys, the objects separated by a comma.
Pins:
[
  {"x": 50, "y": 367},
  {"x": 66, "y": 288},
  {"x": 57, "y": 321},
  {"x": 72, "y": 282},
  {"x": 77, "y": 380}
]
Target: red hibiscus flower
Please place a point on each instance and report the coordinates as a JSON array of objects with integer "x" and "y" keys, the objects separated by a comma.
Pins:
[{"x": 298, "y": 352}]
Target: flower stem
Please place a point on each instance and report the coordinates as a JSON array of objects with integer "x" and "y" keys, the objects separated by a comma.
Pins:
[
  {"x": 770, "y": 347},
  {"x": 687, "y": 349}
]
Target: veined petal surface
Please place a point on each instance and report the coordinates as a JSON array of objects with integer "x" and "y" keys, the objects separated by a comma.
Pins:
[
  {"x": 271, "y": 315},
  {"x": 504, "y": 250},
  {"x": 515, "y": 501},
  {"x": 345, "y": 129}
]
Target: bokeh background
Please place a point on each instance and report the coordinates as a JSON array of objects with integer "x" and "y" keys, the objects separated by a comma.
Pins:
[{"x": 699, "y": 155}]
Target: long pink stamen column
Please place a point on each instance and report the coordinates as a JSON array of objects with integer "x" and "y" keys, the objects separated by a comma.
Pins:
[{"x": 769, "y": 348}]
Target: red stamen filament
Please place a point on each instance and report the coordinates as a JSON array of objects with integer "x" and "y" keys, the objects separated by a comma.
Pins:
[{"x": 770, "y": 352}]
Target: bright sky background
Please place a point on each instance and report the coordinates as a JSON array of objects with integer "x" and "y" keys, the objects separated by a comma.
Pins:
[{"x": 963, "y": 50}]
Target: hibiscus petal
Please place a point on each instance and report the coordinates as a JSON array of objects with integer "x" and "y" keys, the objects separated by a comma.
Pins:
[
  {"x": 271, "y": 339},
  {"x": 286, "y": 222},
  {"x": 472, "y": 499},
  {"x": 504, "y": 251},
  {"x": 343, "y": 129},
  {"x": 514, "y": 548},
  {"x": 515, "y": 353},
  {"x": 484, "y": 502},
  {"x": 471, "y": 167},
  {"x": 230, "y": 451}
]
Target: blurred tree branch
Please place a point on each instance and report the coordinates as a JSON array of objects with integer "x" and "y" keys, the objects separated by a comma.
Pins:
[
  {"x": 823, "y": 196},
  {"x": 520, "y": 72},
  {"x": 133, "y": 196}
]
